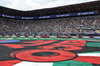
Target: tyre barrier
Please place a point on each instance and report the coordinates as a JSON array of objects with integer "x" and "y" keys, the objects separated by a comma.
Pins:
[
  {"x": 91, "y": 37},
  {"x": 68, "y": 37},
  {"x": 79, "y": 36},
  {"x": 2, "y": 35},
  {"x": 44, "y": 36},
  {"x": 17, "y": 35},
  {"x": 34, "y": 36},
  {"x": 58, "y": 36},
  {"x": 9, "y": 35},
  {"x": 26, "y": 36}
]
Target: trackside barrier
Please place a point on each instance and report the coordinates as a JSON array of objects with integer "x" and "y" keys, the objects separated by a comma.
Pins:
[
  {"x": 44, "y": 36},
  {"x": 9, "y": 35},
  {"x": 2, "y": 35},
  {"x": 26, "y": 36},
  {"x": 84, "y": 37},
  {"x": 91, "y": 37},
  {"x": 68, "y": 37},
  {"x": 58, "y": 36},
  {"x": 79, "y": 36},
  {"x": 34, "y": 36},
  {"x": 17, "y": 35}
]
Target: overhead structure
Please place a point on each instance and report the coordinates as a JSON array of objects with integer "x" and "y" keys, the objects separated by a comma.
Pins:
[{"x": 75, "y": 8}]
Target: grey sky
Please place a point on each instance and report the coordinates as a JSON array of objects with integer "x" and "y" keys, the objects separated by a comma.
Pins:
[{"x": 37, "y": 4}]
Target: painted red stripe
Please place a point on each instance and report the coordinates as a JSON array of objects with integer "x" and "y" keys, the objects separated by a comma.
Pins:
[
  {"x": 12, "y": 46},
  {"x": 2, "y": 40},
  {"x": 89, "y": 59},
  {"x": 36, "y": 41},
  {"x": 75, "y": 41},
  {"x": 15, "y": 46},
  {"x": 27, "y": 55},
  {"x": 40, "y": 43},
  {"x": 67, "y": 47},
  {"x": 9, "y": 63}
]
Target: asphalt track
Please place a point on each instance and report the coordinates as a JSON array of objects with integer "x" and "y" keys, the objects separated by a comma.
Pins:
[{"x": 62, "y": 52}]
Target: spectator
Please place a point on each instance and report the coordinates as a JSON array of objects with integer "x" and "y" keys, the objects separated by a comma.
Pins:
[{"x": 63, "y": 25}]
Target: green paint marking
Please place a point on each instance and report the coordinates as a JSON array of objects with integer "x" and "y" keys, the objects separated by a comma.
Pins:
[
  {"x": 71, "y": 63},
  {"x": 93, "y": 44},
  {"x": 93, "y": 52},
  {"x": 38, "y": 38}
]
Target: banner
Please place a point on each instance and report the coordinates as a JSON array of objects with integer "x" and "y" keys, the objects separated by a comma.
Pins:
[{"x": 52, "y": 16}]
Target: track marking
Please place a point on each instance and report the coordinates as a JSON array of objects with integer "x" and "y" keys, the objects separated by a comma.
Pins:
[
  {"x": 25, "y": 63},
  {"x": 89, "y": 54}
]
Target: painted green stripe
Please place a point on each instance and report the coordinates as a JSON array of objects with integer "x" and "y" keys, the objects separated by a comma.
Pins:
[
  {"x": 71, "y": 63},
  {"x": 93, "y": 44},
  {"x": 30, "y": 38},
  {"x": 93, "y": 52}
]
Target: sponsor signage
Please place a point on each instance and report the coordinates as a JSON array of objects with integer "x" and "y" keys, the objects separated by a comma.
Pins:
[{"x": 52, "y": 16}]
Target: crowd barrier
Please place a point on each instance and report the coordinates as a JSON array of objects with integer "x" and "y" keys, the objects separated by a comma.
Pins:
[
  {"x": 44, "y": 36},
  {"x": 47, "y": 36},
  {"x": 11, "y": 33}
]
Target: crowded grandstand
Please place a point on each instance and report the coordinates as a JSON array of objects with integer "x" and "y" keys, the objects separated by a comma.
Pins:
[
  {"x": 68, "y": 19},
  {"x": 60, "y": 36},
  {"x": 90, "y": 24}
]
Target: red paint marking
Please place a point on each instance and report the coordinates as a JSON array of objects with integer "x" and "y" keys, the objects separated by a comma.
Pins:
[
  {"x": 64, "y": 55},
  {"x": 76, "y": 41},
  {"x": 66, "y": 44},
  {"x": 36, "y": 44},
  {"x": 16, "y": 46},
  {"x": 27, "y": 55},
  {"x": 76, "y": 44},
  {"x": 13, "y": 54},
  {"x": 36, "y": 41},
  {"x": 2, "y": 40},
  {"x": 82, "y": 45},
  {"x": 67, "y": 47},
  {"x": 73, "y": 48},
  {"x": 89, "y": 59},
  {"x": 69, "y": 43},
  {"x": 12, "y": 46},
  {"x": 9, "y": 63}
]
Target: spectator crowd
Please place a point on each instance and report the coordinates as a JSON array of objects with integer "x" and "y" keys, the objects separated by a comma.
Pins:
[{"x": 89, "y": 24}]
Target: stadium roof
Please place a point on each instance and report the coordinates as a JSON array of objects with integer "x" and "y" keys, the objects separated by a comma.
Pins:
[{"x": 82, "y": 7}]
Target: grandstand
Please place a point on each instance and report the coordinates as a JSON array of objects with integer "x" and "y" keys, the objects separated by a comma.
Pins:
[
  {"x": 63, "y": 25},
  {"x": 85, "y": 20},
  {"x": 66, "y": 35}
]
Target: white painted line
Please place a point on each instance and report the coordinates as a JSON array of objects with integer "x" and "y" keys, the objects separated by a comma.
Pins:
[
  {"x": 89, "y": 54},
  {"x": 9, "y": 38},
  {"x": 3, "y": 38},
  {"x": 25, "y": 63},
  {"x": 33, "y": 38}
]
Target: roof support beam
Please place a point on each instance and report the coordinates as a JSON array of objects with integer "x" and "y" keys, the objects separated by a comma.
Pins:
[
  {"x": 98, "y": 5},
  {"x": 68, "y": 9},
  {"x": 84, "y": 7},
  {"x": 65, "y": 10},
  {"x": 92, "y": 6},
  {"x": 62, "y": 10},
  {"x": 52, "y": 12},
  {"x": 73, "y": 9},
  {"x": 79, "y": 8}
]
